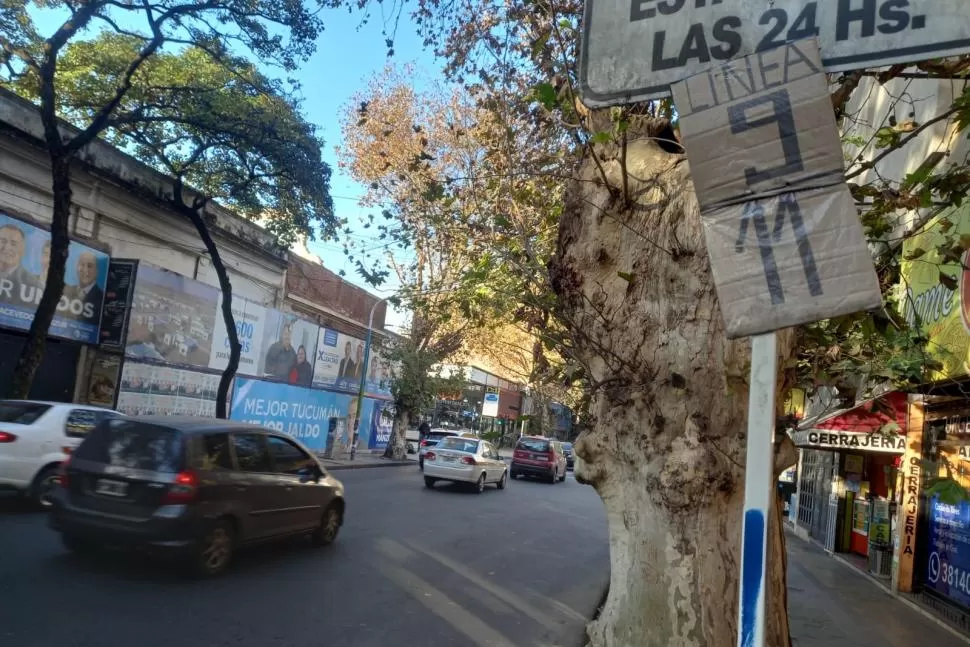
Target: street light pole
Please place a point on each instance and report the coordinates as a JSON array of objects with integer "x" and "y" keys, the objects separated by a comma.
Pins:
[{"x": 363, "y": 376}]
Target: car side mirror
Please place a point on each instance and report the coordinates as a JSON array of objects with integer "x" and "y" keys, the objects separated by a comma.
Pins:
[{"x": 308, "y": 474}]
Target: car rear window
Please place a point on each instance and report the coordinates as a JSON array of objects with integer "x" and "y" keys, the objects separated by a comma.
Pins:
[
  {"x": 438, "y": 436},
  {"x": 459, "y": 444},
  {"x": 531, "y": 445},
  {"x": 133, "y": 444},
  {"x": 22, "y": 413}
]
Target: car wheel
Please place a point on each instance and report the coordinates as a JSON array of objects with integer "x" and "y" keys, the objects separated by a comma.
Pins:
[
  {"x": 421, "y": 464},
  {"x": 513, "y": 475},
  {"x": 502, "y": 481},
  {"x": 213, "y": 552},
  {"x": 428, "y": 482},
  {"x": 77, "y": 545},
  {"x": 480, "y": 484},
  {"x": 44, "y": 485},
  {"x": 326, "y": 532}
]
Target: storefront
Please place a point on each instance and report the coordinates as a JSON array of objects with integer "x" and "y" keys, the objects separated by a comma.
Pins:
[{"x": 848, "y": 481}]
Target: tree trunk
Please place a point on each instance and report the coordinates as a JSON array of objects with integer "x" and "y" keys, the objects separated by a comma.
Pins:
[
  {"x": 397, "y": 448},
  {"x": 33, "y": 350},
  {"x": 666, "y": 449},
  {"x": 235, "y": 349}
]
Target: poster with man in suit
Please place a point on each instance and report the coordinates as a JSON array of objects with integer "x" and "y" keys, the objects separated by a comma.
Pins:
[{"x": 24, "y": 261}]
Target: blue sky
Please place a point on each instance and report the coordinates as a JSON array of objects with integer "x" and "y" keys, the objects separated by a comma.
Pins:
[{"x": 348, "y": 55}]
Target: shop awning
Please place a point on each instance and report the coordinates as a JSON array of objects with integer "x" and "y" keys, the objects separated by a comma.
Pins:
[{"x": 858, "y": 427}]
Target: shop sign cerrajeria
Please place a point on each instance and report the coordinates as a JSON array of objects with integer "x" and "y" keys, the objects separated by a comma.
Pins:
[{"x": 935, "y": 292}]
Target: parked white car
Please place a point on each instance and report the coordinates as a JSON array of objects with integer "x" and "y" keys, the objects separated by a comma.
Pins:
[
  {"x": 465, "y": 460},
  {"x": 36, "y": 437}
]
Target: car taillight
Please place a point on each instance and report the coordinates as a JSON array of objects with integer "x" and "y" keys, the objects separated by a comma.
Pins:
[
  {"x": 429, "y": 456},
  {"x": 468, "y": 460},
  {"x": 182, "y": 490},
  {"x": 424, "y": 443},
  {"x": 62, "y": 478},
  {"x": 7, "y": 437}
]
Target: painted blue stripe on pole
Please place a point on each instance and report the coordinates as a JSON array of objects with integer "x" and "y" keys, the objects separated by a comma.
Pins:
[{"x": 752, "y": 561}]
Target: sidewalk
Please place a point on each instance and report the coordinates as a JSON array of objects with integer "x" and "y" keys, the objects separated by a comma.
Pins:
[
  {"x": 830, "y": 604},
  {"x": 363, "y": 460}
]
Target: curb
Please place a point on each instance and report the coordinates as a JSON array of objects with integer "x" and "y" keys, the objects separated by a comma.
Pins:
[{"x": 363, "y": 466}]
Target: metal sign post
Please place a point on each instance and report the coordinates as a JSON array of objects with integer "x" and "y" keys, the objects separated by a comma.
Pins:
[{"x": 758, "y": 471}]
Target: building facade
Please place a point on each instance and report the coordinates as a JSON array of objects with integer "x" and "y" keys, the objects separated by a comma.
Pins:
[{"x": 140, "y": 326}]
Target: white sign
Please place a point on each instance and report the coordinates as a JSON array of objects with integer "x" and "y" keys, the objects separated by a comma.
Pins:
[
  {"x": 785, "y": 242},
  {"x": 847, "y": 440},
  {"x": 250, "y": 318},
  {"x": 490, "y": 405},
  {"x": 633, "y": 50}
]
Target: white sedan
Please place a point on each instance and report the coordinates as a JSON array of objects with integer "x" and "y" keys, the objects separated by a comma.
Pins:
[
  {"x": 36, "y": 437},
  {"x": 465, "y": 460}
]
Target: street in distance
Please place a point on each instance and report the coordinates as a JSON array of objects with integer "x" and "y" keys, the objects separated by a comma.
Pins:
[{"x": 634, "y": 50}]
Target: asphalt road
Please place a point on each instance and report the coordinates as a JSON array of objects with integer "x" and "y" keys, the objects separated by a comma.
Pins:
[{"x": 521, "y": 567}]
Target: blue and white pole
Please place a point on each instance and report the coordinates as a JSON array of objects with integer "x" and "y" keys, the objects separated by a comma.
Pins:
[{"x": 757, "y": 490}]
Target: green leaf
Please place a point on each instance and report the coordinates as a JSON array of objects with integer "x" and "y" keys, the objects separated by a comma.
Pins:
[
  {"x": 626, "y": 276},
  {"x": 601, "y": 137},
  {"x": 913, "y": 254},
  {"x": 949, "y": 491},
  {"x": 546, "y": 95}
]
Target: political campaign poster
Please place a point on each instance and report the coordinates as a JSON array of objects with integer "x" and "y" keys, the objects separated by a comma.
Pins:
[
  {"x": 172, "y": 318},
  {"x": 24, "y": 260},
  {"x": 288, "y": 348},
  {"x": 339, "y": 361},
  {"x": 249, "y": 318},
  {"x": 150, "y": 389}
]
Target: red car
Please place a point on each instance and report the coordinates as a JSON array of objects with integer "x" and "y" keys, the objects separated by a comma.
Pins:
[{"x": 539, "y": 457}]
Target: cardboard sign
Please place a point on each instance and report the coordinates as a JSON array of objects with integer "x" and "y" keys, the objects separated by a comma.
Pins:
[
  {"x": 784, "y": 239},
  {"x": 634, "y": 50}
]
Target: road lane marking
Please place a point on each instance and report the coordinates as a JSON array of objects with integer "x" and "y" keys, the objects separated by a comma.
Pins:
[{"x": 501, "y": 593}]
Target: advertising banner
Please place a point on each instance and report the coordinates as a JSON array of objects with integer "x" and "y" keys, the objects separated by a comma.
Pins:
[
  {"x": 288, "y": 348},
  {"x": 172, "y": 318},
  {"x": 935, "y": 293},
  {"x": 149, "y": 389},
  {"x": 118, "y": 293},
  {"x": 250, "y": 318},
  {"x": 103, "y": 380},
  {"x": 948, "y": 567},
  {"x": 382, "y": 423},
  {"x": 339, "y": 360},
  {"x": 379, "y": 375},
  {"x": 24, "y": 259},
  {"x": 301, "y": 413}
]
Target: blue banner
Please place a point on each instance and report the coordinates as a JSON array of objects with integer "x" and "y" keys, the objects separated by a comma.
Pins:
[
  {"x": 382, "y": 422},
  {"x": 24, "y": 257},
  {"x": 948, "y": 568},
  {"x": 302, "y": 413}
]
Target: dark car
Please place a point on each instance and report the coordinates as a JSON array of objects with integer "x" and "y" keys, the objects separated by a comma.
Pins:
[
  {"x": 567, "y": 449},
  {"x": 539, "y": 457},
  {"x": 196, "y": 487}
]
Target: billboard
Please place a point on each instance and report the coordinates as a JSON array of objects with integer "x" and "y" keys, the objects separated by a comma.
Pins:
[
  {"x": 150, "y": 389},
  {"x": 250, "y": 318},
  {"x": 172, "y": 318},
  {"x": 339, "y": 360},
  {"x": 24, "y": 259},
  {"x": 299, "y": 412},
  {"x": 935, "y": 293},
  {"x": 288, "y": 348}
]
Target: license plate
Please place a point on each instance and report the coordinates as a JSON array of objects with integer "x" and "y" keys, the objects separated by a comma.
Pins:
[
  {"x": 448, "y": 459},
  {"x": 111, "y": 488}
]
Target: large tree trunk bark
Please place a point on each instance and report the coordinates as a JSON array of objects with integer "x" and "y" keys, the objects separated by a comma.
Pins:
[
  {"x": 33, "y": 351},
  {"x": 195, "y": 215},
  {"x": 397, "y": 444},
  {"x": 667, "y": 445}
]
